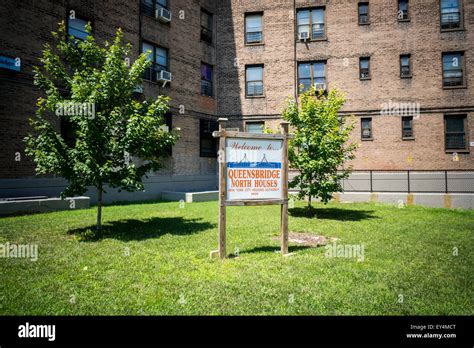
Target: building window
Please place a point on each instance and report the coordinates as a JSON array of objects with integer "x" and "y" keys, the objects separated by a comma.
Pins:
[
  {"x": 364, "y": 13},
  {"x": 453, "y": 74},
  {"x": 206, "y": 80},
  {"x": 451, "y": 15},
  {"x": 254, "y": 80},
  {"x": 366, "y": 128},
  {"x": 364, "y": 68},
  {"x": 254, "y": 127},
  {"x": 159, "y": 58},
  {"x": 254, "y": 28},
  {"x": 67, "y": 131},
  {"x": 402, "y": 14},
  {"x": 455, "y": 132},
  {"x": 311, "y": 22},
  {"x": 207, "y": 143},
  {"x": 77, "y": 27},
  {"x": 206, "y": 26},
  {"x": 149, "y": 7},
  {"x": 407, "y": 127},
  {"x": 312, "y": 74},
  {"x": 405, "y": 65}
]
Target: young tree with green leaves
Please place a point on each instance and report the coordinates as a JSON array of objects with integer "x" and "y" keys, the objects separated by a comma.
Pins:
[
  {"x": 319, "y": 148},
  {"x": 93, "y": 86}
]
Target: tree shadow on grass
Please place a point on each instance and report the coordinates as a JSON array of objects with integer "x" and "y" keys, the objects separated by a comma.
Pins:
[
  {"x": 129, "y": 230},
  {"x": 332, "y": 214},
  {"x": 274, "y": 249}
]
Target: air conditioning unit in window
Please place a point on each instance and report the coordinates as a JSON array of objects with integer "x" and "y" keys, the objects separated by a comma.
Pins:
[
  {"x": 320, "y": 86},
  {"x": 164, "y": 76},
  {"x": 163, "y": 15},
  {"x": 138, "y": 89},
  {"x": 303, "y": 36}
]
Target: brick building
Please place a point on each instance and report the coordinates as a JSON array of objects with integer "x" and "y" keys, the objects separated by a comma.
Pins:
[
  {"x": 402, "y": 49},
  {"x": 405, "y": 66}
]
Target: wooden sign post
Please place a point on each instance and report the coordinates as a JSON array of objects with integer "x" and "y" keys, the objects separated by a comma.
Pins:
[{"x": 253, "y": 170}]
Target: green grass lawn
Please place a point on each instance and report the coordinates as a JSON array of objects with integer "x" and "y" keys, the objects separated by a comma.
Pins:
[{"x": 153, "y": 259}]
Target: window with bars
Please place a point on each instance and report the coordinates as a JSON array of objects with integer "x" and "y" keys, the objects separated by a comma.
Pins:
[
  {"x": 159, "y": 59},
  {"x": 254, "y": 80},
  {"x": 455, "y": 132},
  {"x": 207, "y": 143},
  {"x": 312, "y": 21},
  {"x": 405, "y": 65},
  {"x": 402, "y": 13},
  {"x": 312, "y": 74},
  {"x": 149, "y": 7},
  {"x": 254, "y": 28},
  {"x": 453, "y": 69},
  {"x": 407, "y": 127},
  {"x": 451, "y": 15},
  {"x": 206, "y": 80},
  {"x": 364, "y": 68},
  {"x": 363, "y": 8},
  {"x": 366, "y": 128},
  {"x": 206, "y": 26}
]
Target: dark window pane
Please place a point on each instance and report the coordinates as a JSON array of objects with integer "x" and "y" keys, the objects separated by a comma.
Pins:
[
  {"x": 364, "y": 68},
  {"x": 363, "y": 13},
  {"x": 402, "y": 9},
  {"x": 208, "y": 144},
  {"x": 162, "y": 3},
  {"x": 206, "y": 27},
  {"x": 407, "y": 127},
  {"x": 450, "y": 14},
  {"x": 77, "y": 28},
  {"x": 366, "y": 125},
  {"x": 206, "y": 80},
  {"x": 455, "y": 124},
  {"x": 455, "y": 132},
  {"x": 452, "y": 69}
]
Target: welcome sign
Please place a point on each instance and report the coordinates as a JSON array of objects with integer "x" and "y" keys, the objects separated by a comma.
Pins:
[{"x": 254, "y": 168}]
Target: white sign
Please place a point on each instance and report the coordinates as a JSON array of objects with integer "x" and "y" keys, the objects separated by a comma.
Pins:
[
  {"x": 254, "y": 168},
  {"x": 471, "y": 143}
]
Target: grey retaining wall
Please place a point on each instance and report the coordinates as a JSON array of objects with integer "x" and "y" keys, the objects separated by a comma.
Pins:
[{"x": 154, "y": 185}]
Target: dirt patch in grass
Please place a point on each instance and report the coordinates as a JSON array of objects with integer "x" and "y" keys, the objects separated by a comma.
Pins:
[{"x": 303, "y": 238}]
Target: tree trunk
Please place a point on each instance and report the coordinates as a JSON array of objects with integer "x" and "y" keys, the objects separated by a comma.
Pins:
[{"x": 99, "y": 207}]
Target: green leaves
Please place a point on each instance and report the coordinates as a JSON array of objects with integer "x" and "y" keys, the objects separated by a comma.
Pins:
[
  {"x": 318, "y": 150},
  {"x": 114, "y": 138}
]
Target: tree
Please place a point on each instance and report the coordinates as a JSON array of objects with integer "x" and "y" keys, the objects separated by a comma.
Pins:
[
  {"x": 116, "y": 139},
  {"x": 319, "y": 148}
]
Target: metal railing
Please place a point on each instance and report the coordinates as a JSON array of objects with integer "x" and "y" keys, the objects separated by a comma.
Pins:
[{"x": 410, "y": 181}]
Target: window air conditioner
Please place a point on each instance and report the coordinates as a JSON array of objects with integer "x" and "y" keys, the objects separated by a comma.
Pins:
[
  {"x": 164, "y": 76},
  {"x": 303, "y": 36},
  {"x": 163, "y": 15}
]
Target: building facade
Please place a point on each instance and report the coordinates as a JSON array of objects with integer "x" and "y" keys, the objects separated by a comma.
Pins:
[{"x": 405, "y": 66}]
